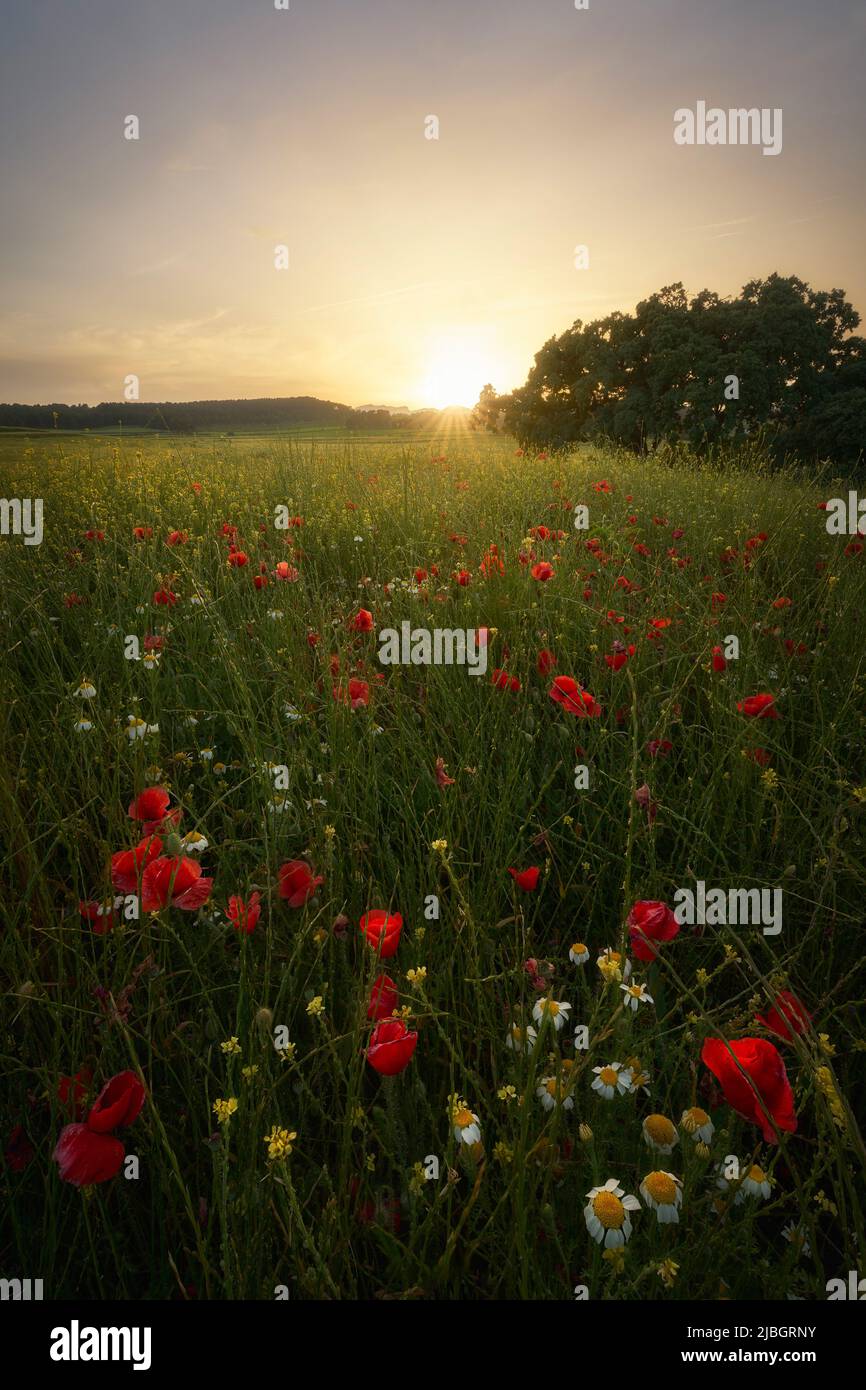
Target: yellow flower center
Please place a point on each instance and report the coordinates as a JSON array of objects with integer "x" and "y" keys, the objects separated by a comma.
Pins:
[
  {"x": 635, "y": 991},
  {"x": 463, "y": 1119},
  {"x": 609, "y": 1210},
  {"x": 550, "y": 1086},
  {"x": 659, "y": 1129},
  {"x": 552, "y": 1007},
  {"x": 578, "y": 948},
  {"x": 608, "y": 1076},
  {"x": 757, "y": 1174},
  {"x": 694, "y": 1118},
  {"x": 661, "y": 1188}
]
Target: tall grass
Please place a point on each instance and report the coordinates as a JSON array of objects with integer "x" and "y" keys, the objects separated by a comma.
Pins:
[{"x": 349, "y": 1214}]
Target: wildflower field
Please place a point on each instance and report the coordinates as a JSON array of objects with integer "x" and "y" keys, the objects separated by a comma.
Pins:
[{"x": 326, "y": 978}]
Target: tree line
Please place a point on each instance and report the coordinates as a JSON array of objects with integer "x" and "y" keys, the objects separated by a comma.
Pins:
[{"x": 780, "y": 358}]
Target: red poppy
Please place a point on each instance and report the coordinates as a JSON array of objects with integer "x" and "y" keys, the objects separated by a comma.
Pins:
[
  {"x": 238, "y": 558},
  {"x": 442, "y": 778},
  {"x": 283, "y": 570},
  {"x": 545, "y": 663},
  {"x": 164, "y": 598},
  {"x": 758, "y": 755},
  {"x": 118, "y": 1103},
  {"x": 650, "y": 922},
  {"x": 391, "y": 1047},
  {"x": 463, "y": 578},
  {"x": 527, "y": 879},
  {"x": 382, "y": 930},
  {"x": 566, "y": 692},
  {"x": 175, "y": 882},
  {"x": 151, "y": 807},
  {"x": 19, "y": 1151},
  {"x": 719, "y": 662},
  {"x": 659, "y": 747},
  {"x": 71, "y": 1091},
  {"x": 142, "y": 533},
  {"x": 503, "y": 681},
  {"x": 362, "y": 621},
  {"x": 542, "y": 571},
  {"x": 758, "y": 707},
  {"x": 177, "y": 538},
  {"x": 244, "y": 916},
  {"x": 383, "y": 998},
  {"x": 103, "y": 917},
  {"x": 297, "y": 882},
  {"x": 753, "y": 1078},
  {"x": 787, "y": 1016},
  {"x": 85, "y": 1157},
  {"x": 357, "y": 695},
  {"x": 128, "y": 864}
]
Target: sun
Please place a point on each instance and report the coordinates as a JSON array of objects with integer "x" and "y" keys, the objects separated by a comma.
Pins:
[{"x": 457, "y": 368}]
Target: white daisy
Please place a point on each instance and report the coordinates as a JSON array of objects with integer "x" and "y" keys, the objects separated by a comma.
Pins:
[
  {"x": 578, "y": 955},
  {"x": 663, "y": 1194},
  {"x": 194, "y": 843},
  {"x": 83, "y": 726},
  {"x": 552, "y": 1092},
  {"x": 607, "y": 1214},
  {"x": 611, "y": 1080},
  {"x": 660, "y": 1133},
  {"x": 86, "y": 690},
  {"x": 556, "y": 1010},
  {"x": 754, "y": 1183},
  {"x": 698, "y": 1124},
  {"x": 520, "y": 1039},
  {"x": 635, "y": 994}
]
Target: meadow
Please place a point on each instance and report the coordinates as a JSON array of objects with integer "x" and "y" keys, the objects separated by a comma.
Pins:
[{"x": 256, "y": 1146}]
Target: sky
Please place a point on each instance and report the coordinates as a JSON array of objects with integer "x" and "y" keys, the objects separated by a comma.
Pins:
[{"x": 418, "y": 268}]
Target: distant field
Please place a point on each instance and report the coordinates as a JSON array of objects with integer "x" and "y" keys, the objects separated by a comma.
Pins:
[{"x": 414, "y": 789}]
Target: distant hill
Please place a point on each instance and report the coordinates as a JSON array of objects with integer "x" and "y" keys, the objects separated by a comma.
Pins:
[{"x": 185, "y": 417}]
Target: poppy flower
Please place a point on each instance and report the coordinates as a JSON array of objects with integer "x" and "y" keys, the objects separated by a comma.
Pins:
[
  {"x": 659, "y": 747},
  {"x": 391, "y": 1047},
  {"x": 71, "y": 1091},
  {"x": 754, "y": 1081},
  {"x": 151, "y": 807},
  {"x": 118, "y": 1103},
  {"x": 357, "y": 696},
  {"x": 463, "y": 578},
  {"x": 85, "y": 1157},
  {"x": 19, "y": 1151},
  {"x": 758, "y": 755},
  {"x": 175, "y": 882},
  {"x": 442, "y": 778},
  {"x": 383, "y": 998},
  {"x": 362, "y": 621},
  {"x": 503, "y": 681},
  {"x": 566, "y": 692},
  {"x": 238, "y": 558},
  {"x": 542, "y": 571},
  {"x": 382, "y": 930},
  {"x": 102, "y": 916},
  {"x": 545, "y": 663},
  {"x": 650, "y": 922},
  {"x": 283, "y": 570},
  {"x": 758, "y": 707},
  {"x": 164, "y": 598},
  {"x": 244, "y": 916},
  {"x": 787, "y": 1016},
  {"x": 719, "y": 662},
  {"x": 297, "y": 882},
  {"x": 128, "y": 864},
  {"x": 527, "y": 879},
  {"x": 177, "y": 538}
]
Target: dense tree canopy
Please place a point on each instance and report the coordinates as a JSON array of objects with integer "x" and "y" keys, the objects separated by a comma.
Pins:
[{"x": 781, "y": 356}]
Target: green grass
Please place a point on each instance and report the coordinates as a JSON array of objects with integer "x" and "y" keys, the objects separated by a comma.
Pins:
[{"x": 347, "y": 1215}]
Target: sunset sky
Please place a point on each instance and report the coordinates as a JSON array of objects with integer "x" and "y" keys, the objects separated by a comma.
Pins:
[{"x": 419, "y": 269}]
